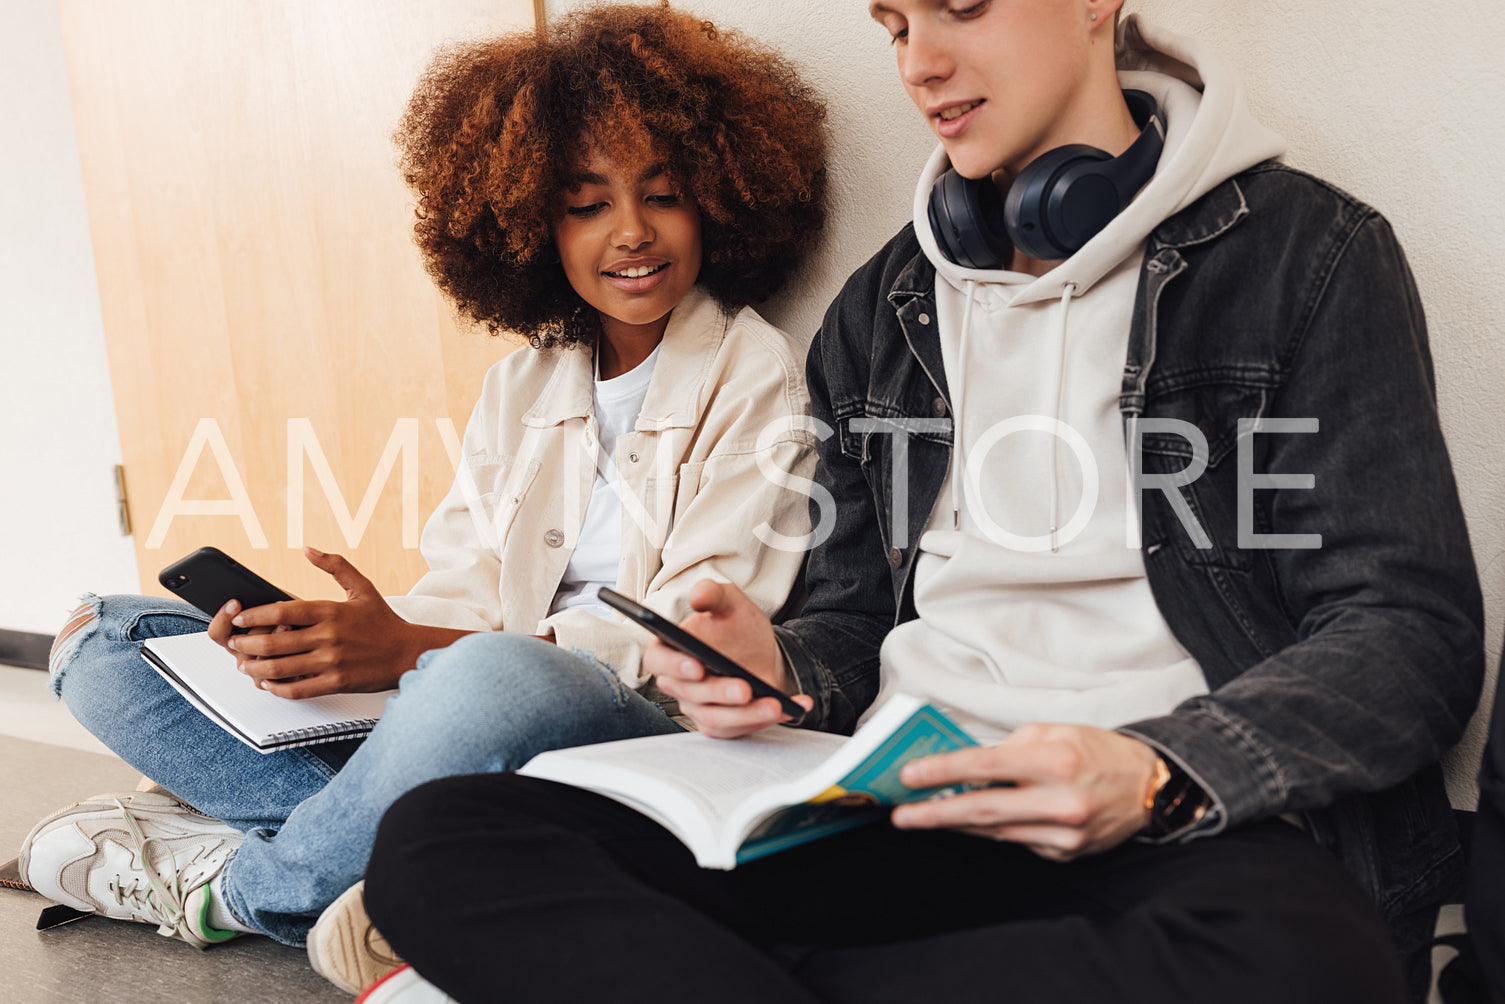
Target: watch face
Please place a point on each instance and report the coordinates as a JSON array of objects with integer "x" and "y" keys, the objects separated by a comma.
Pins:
[{"x": 1179, "y": 803}]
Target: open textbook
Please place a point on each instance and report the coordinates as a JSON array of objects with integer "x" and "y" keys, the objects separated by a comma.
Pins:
[
  {"x": 206, "y": 675},
  {"x": 733, "y": 800}
]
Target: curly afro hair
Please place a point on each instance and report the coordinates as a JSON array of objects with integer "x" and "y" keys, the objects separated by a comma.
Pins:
[{"x": 490, "y": 136}]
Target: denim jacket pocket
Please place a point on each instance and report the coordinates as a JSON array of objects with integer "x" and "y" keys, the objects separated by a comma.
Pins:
[
  {"x": 853, "y": 443},
  {"x": 1189, "y": 442},
  {"x": 1209, "y": 414},
  {"x": 900, "y": 456}
]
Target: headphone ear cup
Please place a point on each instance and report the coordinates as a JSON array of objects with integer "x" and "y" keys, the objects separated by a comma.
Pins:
[
  {"x": 1059, "y": 201},
  {"x": 967, "y": 220}
]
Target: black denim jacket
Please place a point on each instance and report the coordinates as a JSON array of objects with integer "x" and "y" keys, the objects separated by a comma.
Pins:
[{"x": 1338, "y": 674}]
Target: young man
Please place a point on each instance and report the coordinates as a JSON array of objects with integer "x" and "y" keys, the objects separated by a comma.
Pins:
[{"x": 1191, "y": 566}]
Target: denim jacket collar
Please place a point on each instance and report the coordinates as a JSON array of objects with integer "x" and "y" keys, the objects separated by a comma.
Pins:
[
  {"x": 1211, "y": 216},
  {"x": 1214, "y": 215},
  {"x": 916, "y": 280}
]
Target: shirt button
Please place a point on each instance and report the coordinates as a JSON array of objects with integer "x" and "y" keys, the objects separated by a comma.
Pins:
[
  {"x": 938, "y": 407},
  {"x": 895, "y": 557},
  {"x": 554, "y": 538},
  {"x": 924, "y": 318},
  {"x": 632, "y": 457}
]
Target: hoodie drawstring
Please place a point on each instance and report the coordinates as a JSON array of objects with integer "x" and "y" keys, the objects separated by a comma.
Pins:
[
  {"x": 957, "y": 470},
  {"x": 1055, "y": 439}
]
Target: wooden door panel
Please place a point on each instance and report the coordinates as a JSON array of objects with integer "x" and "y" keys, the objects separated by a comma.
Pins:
[{"x": 258, "y": 281}]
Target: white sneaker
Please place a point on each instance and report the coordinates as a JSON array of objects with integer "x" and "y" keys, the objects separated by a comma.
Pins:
[
  {"x": 403, "y": 985},
  {"x": 345, "y": 948},
  {"x": 142, "y": 856}
]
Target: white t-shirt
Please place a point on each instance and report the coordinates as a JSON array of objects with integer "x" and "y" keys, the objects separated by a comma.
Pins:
[{"x": 615, "y": 404}]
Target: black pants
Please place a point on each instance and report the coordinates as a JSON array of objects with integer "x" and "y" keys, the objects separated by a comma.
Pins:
[
  {"x": 504, "y": 888},
  {"x": 1485, "y": 898}
]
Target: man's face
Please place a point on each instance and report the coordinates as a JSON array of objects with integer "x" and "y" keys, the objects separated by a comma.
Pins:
[{"x": 999, "y": 82}]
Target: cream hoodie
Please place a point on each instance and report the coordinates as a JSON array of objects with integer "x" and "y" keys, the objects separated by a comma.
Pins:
[{"x": 1017, "y": 623}]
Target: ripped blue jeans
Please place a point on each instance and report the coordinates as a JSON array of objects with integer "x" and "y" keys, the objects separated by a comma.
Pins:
[{"x": 485, "y": 704}]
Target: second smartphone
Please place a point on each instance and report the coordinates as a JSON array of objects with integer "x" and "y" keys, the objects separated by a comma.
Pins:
[{"x": 678, "y": 638}]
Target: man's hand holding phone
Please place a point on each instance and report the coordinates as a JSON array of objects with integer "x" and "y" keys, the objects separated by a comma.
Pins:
[{"x": 723, "y": 706}]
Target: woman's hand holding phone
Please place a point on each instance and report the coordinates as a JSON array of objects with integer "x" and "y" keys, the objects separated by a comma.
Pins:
[
  {"x": 308, "y": 648},
  {"x": 723, "y": 706}
]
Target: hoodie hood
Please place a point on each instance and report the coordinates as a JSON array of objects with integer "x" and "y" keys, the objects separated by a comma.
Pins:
[{"x": 1211, "y": 135}]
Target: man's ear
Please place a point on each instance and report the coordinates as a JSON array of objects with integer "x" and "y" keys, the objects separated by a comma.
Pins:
[{"x": 1104, "y": 12}]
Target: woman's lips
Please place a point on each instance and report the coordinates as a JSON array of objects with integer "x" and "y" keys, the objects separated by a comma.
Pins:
[{"x": 640, "y": 283}]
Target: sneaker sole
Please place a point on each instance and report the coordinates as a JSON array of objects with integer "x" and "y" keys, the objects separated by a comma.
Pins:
[{"x": 344, "y": 946}]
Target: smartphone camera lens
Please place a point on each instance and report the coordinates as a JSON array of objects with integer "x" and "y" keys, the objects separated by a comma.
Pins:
[{"x": 177, "y": 582}]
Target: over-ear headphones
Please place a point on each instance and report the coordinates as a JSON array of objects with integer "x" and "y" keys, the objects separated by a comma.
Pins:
[{"x": 1056, "y": 205}]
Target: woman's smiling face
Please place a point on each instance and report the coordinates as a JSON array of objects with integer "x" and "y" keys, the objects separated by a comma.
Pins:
[{"x": 629, "y": 242}]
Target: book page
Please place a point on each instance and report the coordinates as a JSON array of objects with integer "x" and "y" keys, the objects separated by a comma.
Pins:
[
  {"x": 223, "y": 691},
  {"x": 708, "y": 776},
  {"x": 783, "y": 786}
]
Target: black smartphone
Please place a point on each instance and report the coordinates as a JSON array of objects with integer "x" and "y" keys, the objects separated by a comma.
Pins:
[
  {"x": 209, "y": 578},
  {"x": 678, "y": 638}
]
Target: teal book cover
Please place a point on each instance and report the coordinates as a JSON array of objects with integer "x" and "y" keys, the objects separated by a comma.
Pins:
[{"x": 866, "y": 792}]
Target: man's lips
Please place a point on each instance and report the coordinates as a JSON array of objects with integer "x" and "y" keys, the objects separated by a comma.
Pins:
[{"x": 952, "y": 117}]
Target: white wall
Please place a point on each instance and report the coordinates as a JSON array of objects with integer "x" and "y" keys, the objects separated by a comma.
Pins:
[
  {"x": 58, "y": 442},
  {"x": 1395, "y": 102}
]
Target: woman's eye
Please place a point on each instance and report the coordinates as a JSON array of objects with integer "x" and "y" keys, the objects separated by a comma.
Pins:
[
  {"x": 970, "y": 12},
  {"x": 588, "y": 210},
  {"x": 664, "y": 201}
]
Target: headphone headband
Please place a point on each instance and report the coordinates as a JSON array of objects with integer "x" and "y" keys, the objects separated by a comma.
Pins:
[{"x": 1143, "y": 155}]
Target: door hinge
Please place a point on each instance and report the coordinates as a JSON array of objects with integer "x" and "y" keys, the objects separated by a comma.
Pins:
[{"x": 122, "y": 510}]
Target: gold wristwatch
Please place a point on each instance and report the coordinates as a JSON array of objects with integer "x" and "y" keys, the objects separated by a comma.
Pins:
[{"x": 1174, "y": 801}]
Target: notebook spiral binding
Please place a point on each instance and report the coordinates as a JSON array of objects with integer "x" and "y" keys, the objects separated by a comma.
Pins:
[{"x": 352, "y": 728}]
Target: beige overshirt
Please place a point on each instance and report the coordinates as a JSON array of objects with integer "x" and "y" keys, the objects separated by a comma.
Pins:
[{"x": 715, "y": 466}]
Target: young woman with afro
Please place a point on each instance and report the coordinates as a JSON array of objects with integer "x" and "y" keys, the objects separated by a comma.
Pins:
[{"x": 616, "y": 190}]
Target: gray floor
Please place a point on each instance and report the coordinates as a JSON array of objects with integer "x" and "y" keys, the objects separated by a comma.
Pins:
[{"x": 98, "y": 960}]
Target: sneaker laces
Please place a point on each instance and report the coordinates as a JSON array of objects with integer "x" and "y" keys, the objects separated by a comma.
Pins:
[{"x": 163, "y": 899}]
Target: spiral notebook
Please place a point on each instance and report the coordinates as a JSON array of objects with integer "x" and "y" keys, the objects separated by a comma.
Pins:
[{"x": 205, "y": 674}]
